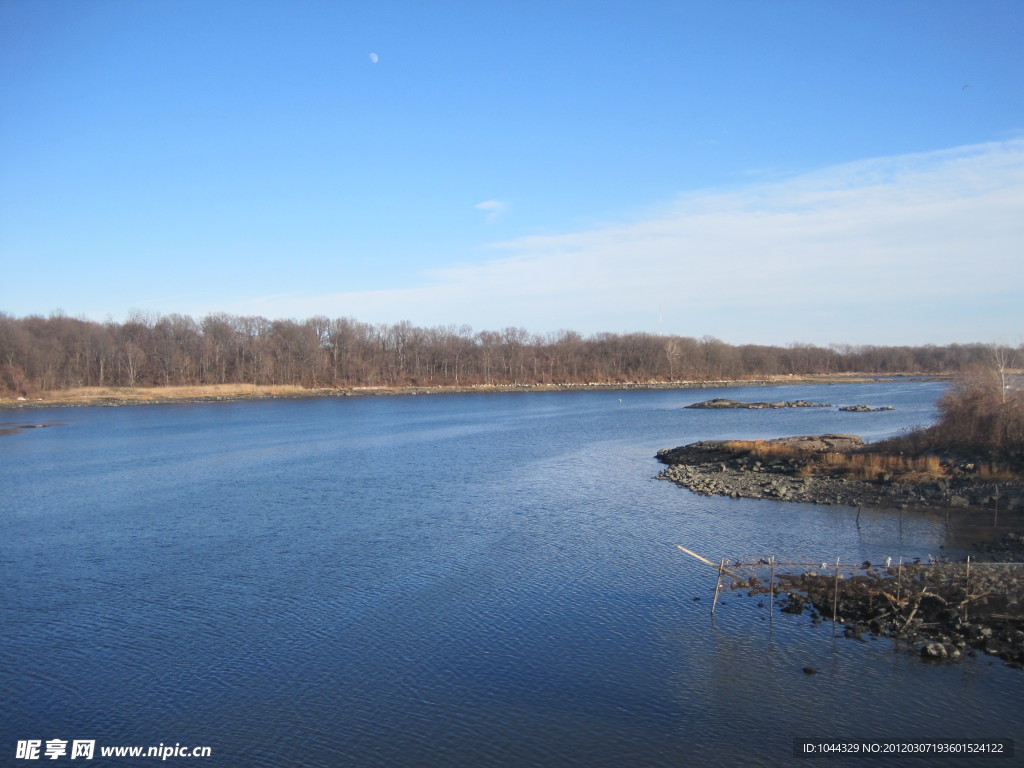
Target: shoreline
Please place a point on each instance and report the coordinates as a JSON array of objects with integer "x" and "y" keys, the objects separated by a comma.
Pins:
[
  {"x": 940, "y": 610},
  {"x": 714, "y": 468},
  {"x": 121, "y": 396}
]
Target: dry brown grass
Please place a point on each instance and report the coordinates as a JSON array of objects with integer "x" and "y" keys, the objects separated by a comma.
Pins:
[
  {"x": 860, "y": 465},
  {"x": 997, "y": 473},
  {"x": 762, "y": 449},
  {"x": 85, "y": 394},
  {"x": 872, "y": 466}
]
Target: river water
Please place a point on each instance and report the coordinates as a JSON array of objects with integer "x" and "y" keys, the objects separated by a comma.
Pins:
[{"x": 450, "y": 580}]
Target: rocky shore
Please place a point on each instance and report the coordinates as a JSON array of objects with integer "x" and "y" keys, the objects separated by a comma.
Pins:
[
  {"x": 717, "y": 467},
  {"x": 941, "y": 611}
]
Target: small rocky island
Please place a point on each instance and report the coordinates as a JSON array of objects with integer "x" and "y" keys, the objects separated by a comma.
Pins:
[
  {"x": 833, "y": 469},
  {"x": 722, "y": 402}
]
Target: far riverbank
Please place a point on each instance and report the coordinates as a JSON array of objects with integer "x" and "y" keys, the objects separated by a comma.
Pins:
[{"x": 118, "y": 396}]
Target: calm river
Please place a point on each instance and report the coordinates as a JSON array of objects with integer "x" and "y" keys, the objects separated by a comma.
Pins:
[{"x": 463, "y": 580}]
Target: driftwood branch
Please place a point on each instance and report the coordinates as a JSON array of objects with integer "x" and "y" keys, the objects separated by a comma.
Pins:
[{"x": 716, "y": 566}]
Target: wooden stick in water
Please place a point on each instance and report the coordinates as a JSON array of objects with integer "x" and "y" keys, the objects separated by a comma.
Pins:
[
  {"x": 835, "y": 598},
  {"x": 694, "y": 554},
  {"x": 718, "y": 585},
  {"x": 717, "y": 566}
]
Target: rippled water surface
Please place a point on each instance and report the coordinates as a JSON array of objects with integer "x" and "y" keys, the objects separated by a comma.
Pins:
[{"x": 466, "y": 580}]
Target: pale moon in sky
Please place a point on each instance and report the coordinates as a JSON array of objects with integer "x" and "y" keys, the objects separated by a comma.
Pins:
[{"x": 374, "y": 58}]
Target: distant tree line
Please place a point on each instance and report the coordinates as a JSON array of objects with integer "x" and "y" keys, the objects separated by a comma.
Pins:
[{"x": 59, "y": 352}]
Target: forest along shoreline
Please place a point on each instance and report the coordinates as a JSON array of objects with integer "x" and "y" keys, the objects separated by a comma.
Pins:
[{"x": 118, "y": 396}]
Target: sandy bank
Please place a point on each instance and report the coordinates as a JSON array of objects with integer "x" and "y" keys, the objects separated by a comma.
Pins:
[{"x": 115, "y": 396}]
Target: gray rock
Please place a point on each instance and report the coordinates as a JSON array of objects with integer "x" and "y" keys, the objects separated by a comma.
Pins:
[{"x": 934, "y": 651}]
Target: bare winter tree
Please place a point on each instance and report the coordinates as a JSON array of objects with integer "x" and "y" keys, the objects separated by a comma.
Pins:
[{"x": 60, "y": 352}]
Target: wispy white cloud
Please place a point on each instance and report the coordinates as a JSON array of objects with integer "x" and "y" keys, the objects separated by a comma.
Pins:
[
  {"x": 493, "y": 208},
  {"x": 908, "y": 249},
  {"x": 374, "y": 58}
]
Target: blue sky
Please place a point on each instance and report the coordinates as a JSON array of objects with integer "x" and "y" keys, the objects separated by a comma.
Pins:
[{"x": 769, "y": 172}]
